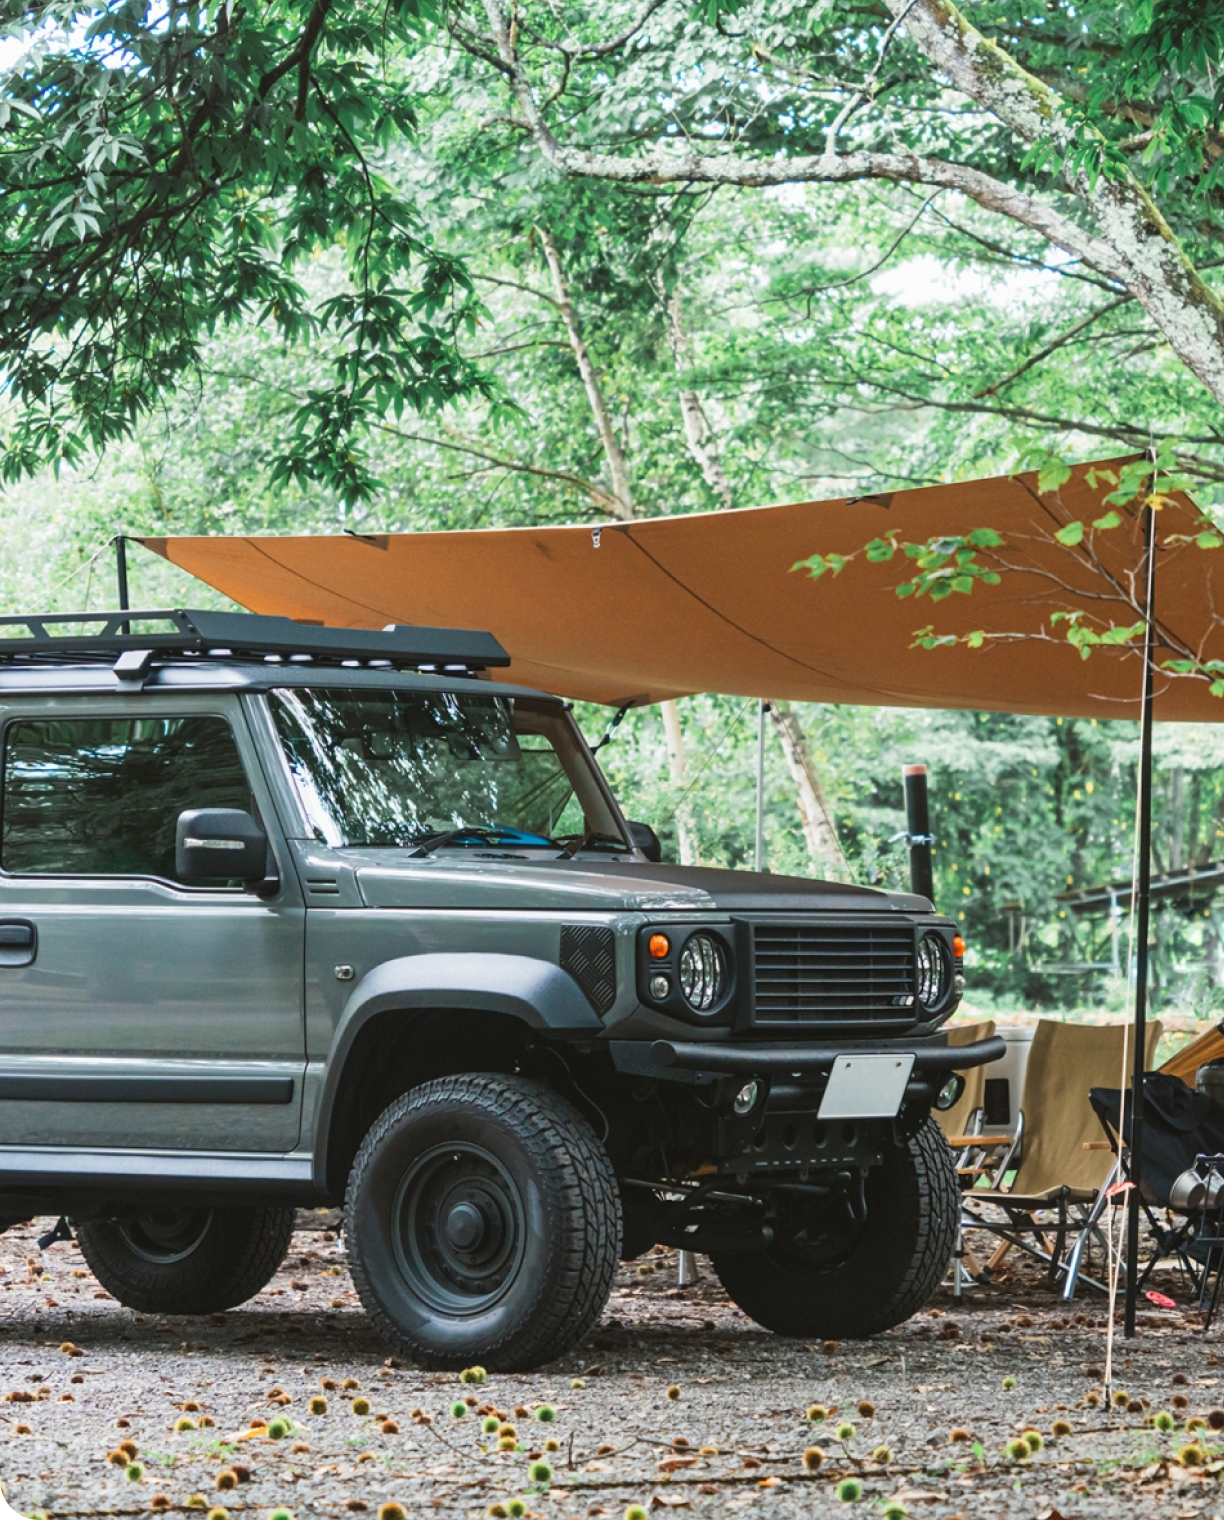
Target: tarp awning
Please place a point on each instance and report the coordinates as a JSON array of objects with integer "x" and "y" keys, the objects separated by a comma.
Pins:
[{"x": 662, "y": 607}]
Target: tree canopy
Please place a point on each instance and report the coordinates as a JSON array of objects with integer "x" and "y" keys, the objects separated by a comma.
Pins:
[{"x": 313, "y": 266}]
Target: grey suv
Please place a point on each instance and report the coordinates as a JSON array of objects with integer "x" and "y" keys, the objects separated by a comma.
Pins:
[{"x": 295, "y": 915}]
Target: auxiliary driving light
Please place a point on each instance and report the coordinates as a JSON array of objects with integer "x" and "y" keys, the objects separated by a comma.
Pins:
[
  {"x": 659, "y": 987},
  {"x": 745, "y": 1099},
  {"x": 950, "y": 1092},
  {"x": 658, "y": 946}
]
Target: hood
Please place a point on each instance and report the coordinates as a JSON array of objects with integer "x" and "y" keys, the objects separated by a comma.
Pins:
[{"x": 388, "y": 880}]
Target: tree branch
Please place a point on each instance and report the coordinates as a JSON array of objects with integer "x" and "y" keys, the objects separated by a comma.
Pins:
[{"x": 1156, "y": 269}]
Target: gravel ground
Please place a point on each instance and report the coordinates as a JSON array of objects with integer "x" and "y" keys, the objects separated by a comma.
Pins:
[{"x": 676, "y": 1401}]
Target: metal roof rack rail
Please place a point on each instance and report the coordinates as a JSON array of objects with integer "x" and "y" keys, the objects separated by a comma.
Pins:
[{"x": 89, "y": 637}]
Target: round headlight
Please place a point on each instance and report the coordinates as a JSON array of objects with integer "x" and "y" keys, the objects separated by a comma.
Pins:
[
  {"x": 703, "y": 972},
  {"x": 934, "y": 973}
]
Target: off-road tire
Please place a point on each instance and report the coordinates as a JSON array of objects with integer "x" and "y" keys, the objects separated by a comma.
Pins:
[
  {"x": 549, "y": 1208},
  {"x": 892, "y": 1269},
  {"x": 148, "y": 1265}
]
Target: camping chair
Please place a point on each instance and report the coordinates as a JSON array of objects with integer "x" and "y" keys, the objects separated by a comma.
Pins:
[
  {"x": 1179, "y": 1126},
  {"x": 1066, "y": 1166},
  {"x": 962, "y": 1124},
  {"x": 965, "y": 1115}
]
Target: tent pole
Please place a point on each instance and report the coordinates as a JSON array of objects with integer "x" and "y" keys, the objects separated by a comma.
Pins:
[
  {"x": 758, "y": 856},
  {"x": 1143, "y": 901},
  {"x": 120, "y": 543}
]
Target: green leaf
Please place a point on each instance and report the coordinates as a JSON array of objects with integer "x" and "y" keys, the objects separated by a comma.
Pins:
[
  {"x": 976, "y": 639},
  {"x": 880, "y": 549},
  {"x": 1110, "y": 520},
  {"x": 986, "y": 538},
  {"x": 1209, "y": 540},
  {"x": 1053, "y": 474},
  {"x": 1071, "y": 535}
]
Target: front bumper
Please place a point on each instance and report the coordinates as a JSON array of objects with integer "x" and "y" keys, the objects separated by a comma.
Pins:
[{"x": 692, "y": 1060}]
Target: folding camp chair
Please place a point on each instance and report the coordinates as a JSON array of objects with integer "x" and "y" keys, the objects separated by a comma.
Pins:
[
  {"x": 1065, "y": 1164},
  {"x": 961, "y": 1124},
  {"x": 1179, "y": 1126}
]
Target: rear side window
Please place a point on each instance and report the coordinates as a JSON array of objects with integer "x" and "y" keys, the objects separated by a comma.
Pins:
[{"x": 101, "y": 796}]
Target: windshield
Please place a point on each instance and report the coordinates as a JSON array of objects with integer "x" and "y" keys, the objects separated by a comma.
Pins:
[{"x": 440, "y": 769}]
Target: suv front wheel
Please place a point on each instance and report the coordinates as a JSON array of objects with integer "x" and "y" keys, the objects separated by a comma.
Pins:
[
  {"x": 827, "y": 1273},
  {"x": 483, "y": 1223},
  {"x": 185, "y": 1260}
]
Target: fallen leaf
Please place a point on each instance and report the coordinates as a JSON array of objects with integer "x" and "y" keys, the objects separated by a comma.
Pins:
[{"x": 674, "y": 1464}]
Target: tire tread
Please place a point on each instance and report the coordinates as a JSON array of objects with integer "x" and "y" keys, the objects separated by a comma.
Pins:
[{"x": 580, "y": 1188}]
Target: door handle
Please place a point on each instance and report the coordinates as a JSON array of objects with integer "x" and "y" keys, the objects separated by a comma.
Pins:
[{"x": 18, "y": 942}]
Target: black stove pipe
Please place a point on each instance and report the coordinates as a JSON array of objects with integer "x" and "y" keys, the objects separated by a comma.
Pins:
[{"x": 918, "y": 830}]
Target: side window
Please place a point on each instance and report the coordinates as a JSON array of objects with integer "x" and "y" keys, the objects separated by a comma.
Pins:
[{"x": 101, "y": 796}]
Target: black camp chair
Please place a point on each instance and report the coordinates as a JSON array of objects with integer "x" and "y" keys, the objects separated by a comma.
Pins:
[{"x": 1179, "y": 1125}]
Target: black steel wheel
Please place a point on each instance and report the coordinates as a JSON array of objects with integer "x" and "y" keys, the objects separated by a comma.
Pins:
[
  {"x": 829, "y": 1274},
  {"x": 186, "y": 1260},
  {"x": 482, "y": 1223}
]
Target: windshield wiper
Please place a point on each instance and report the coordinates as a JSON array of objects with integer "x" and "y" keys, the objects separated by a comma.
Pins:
[
  {"x": 589, "y": 841},
  {"x": 426, "y": 844}
]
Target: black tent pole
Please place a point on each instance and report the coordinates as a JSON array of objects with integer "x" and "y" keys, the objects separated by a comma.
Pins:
[
  {"x": 1143, "y": 903},
  {"x": 120, "y": 543}
]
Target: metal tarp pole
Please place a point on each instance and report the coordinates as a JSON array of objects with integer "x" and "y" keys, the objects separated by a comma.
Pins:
[
  {"x": 1143, "y": 903},
  {"x": 758, "y": 854},
  {"x": 120, "y": 543}
]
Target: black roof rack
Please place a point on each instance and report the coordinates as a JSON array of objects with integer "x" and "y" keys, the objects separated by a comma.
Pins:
[{"x": 88, "y": 637}]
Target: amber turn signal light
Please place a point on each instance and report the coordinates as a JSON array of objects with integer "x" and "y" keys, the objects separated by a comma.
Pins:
[
  {"x": 958, "y": 946},
  {"x": 659, "y": 946}
]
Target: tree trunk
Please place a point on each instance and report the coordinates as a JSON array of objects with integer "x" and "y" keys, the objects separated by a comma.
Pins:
[
  {"x": 698, "y": 434},
  {"x": 818, "y": 827},
  {"x": 679, "y": 778},
  {"x": 618, "y": 470}
]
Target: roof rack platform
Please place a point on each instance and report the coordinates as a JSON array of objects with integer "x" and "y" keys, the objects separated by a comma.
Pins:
[{"x": 99, "y": 637}]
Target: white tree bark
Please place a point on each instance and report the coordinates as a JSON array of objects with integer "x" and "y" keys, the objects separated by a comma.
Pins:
[
  {"x": 618, "y": 470},
  {"x": 698, "y": 433},
  {"x": 678, "y": 765},
  {"x": 818, "y": 828}
]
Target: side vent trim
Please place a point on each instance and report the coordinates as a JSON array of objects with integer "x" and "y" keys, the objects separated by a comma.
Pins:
[{"x": 588, "y": 954}]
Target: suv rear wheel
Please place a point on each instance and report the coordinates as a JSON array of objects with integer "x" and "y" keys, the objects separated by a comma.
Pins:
[
  {"x": 826, "y": 1275},
  {"x": 483, "y": 1223},
  {"x": 184, "y": 1260}
]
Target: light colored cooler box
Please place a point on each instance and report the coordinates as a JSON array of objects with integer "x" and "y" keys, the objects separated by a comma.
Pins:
[{"x": 1005, "y": 1080}]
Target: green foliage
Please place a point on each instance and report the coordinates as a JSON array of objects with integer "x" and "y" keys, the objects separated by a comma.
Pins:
[{"x": 165, "y": 178}]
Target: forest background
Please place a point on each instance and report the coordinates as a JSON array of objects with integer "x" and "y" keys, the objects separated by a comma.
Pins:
[{"x": 571, "y": 340}]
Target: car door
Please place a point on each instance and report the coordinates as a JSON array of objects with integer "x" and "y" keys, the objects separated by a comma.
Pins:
[{"x": 137, "y": 1010}]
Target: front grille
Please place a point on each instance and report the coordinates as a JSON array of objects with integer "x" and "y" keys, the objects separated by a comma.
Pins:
[{"x": 834, "y": 974}]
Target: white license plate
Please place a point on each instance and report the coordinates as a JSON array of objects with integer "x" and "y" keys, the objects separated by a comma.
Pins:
[{"x": 866, "y": 1086}]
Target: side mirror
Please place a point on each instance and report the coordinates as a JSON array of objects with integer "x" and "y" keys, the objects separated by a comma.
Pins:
[
  {"x": 644, "y": 838},
  {"x": 212, "y": 843}
]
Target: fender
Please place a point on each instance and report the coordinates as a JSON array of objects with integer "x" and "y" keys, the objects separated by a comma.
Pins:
[{"x": 537, "y": 993}]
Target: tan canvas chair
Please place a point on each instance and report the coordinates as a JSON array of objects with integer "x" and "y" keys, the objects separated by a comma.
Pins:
[
  {"x": 1065, "y": 1163},
  {"x": 964, "y": 1117}
]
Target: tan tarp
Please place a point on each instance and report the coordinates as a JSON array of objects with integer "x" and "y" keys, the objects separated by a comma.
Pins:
[{"x": 671, "y": 605}]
